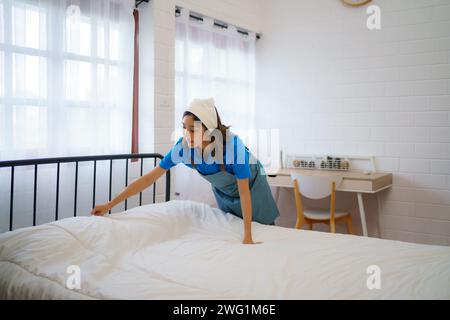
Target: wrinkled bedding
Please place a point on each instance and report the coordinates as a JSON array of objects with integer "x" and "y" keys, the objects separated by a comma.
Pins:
[{"x": 188, "y": 250}]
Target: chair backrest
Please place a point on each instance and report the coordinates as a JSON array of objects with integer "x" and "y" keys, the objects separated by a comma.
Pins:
[{"x": 315, "y": 186}]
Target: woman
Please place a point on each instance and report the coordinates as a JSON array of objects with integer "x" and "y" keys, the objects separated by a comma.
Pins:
[{"x": 237, "y": 178}]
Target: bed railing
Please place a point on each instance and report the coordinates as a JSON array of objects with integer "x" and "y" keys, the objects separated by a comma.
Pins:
[{"x": 36, "y": 162}]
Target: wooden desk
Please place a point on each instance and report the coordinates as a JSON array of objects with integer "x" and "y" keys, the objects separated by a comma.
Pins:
[{"x": 353, "y": 181}]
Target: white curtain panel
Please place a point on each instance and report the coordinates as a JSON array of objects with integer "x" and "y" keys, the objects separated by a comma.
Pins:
[
  {"x": 66, "y": 77},
  {"x": 66, "y": 81},
  {"x": 213, "y": 62}
]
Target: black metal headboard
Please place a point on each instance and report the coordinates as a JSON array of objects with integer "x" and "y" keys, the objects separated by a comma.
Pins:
[{"x": 36, "y": 162}]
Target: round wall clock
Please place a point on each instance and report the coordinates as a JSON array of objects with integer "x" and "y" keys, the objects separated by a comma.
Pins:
[{"x": 356, "y": 3}]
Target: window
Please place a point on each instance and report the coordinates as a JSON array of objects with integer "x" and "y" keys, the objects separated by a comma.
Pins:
[
  {"x": 64, "y": 79},
  {"x": 29, "y": 25},
  {"x": 215, "y": 62},
  {"x": 66, "y": 87}
]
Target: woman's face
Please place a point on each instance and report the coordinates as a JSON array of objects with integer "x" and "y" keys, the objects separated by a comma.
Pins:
[{"x": 190, "y": 130}]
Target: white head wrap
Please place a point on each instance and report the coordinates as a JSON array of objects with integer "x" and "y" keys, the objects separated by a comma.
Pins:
[{"x": 205, "y": 110}]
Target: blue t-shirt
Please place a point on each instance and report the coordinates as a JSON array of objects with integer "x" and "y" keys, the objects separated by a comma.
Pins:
[{"x": 236, "y": 161}]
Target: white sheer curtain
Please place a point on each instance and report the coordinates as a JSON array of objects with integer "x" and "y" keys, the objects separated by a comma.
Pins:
[
  {"x": 65, "y": 89},
  {"x": 211, "y": 61},
  {"x": 66, "y": 77},
  {"x": 215, "y": 62}
]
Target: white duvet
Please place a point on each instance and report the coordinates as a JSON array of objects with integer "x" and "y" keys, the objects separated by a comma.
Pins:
[{"x": 188, "y": 250}]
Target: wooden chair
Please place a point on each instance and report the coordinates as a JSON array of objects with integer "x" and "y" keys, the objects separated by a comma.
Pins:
[{"x": 318, "y": 187}]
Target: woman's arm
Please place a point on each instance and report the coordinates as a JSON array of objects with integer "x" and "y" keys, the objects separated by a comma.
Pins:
[
  {"x": 246, "y": 205},
  {"x": 135, "y": 187}
]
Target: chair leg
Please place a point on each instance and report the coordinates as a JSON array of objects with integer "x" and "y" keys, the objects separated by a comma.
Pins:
[
  {"x": 349, "y": 224},
  {"x": 332, "y": 227},
  {"x": 298, "y": 224}
]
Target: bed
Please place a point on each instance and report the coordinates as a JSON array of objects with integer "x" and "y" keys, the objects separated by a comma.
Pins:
[
  {"x": 189, "y": 250},
  {"x": 183, "y": 249}
]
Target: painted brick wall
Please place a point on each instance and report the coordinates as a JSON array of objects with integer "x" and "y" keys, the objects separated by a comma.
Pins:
[{"x": 349, "y": 90}]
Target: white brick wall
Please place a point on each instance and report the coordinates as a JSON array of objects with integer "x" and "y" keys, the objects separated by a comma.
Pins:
[
  {"x": 157, "y": 78},
  {"x": 348, "y": 89},
  {"x": 383, "y": 92}
]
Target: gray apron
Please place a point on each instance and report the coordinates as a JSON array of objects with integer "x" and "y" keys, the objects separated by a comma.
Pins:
[{"x": 225, "y": 189}]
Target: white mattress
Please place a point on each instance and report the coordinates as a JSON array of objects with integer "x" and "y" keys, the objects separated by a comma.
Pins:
[{"x": 188, "y": 250}]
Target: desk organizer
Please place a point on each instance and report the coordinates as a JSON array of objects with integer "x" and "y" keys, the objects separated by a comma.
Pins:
[{"x": 318, "y": 163}]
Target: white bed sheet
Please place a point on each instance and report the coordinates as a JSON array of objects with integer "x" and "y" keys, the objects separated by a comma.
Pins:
[{"x": 188, "y": 250}]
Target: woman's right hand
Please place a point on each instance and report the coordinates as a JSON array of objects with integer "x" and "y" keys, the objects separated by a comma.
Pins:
[{"x": 100, "y": 209}]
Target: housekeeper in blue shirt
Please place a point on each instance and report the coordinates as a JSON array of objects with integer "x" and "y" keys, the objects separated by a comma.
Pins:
[{"x": 238, "y": 180}]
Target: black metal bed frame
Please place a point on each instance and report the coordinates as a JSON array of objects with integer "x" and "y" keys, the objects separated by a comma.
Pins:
[{"x": 35, "y": 162}]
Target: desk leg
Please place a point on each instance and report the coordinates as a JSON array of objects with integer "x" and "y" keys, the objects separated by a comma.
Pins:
[
  {"x": 378, "y": 216},
  {"x": 362, "y": 213},
  {"x": 277, "y": 195}
]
